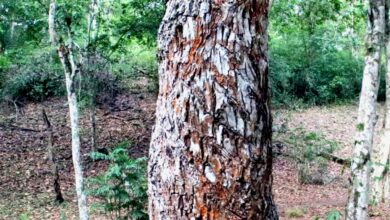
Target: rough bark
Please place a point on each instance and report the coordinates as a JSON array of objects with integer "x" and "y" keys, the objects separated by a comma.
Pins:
[
  {"x": 51, "y": 156},
  {"x": 381, "y": 176},
  {"x": 211, "y": 152},
  {"x": 357, "y": 208},
  {"x": 65, "y": 53}
]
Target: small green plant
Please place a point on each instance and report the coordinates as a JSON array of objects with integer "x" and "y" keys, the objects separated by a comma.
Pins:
[
  {"x": 334, "y": 215},
  {"x": 24, "y": 216},
  {"x": 122, "y": 188},
  {"x": 360, "y": 127}
]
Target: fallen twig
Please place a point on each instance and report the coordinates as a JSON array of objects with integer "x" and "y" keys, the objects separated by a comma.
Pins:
[{"x": 13, "y": 127}]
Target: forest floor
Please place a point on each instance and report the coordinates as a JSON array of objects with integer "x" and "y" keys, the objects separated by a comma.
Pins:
[{"x": 25, "y": 179}]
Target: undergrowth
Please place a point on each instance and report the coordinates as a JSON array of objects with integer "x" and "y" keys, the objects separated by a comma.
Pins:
[{"x": 121, "y": 189}]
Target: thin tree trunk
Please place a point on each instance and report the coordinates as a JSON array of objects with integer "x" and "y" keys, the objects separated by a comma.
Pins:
[
  {"x": 65, "y": 53},
  {"x": 93, "y": 23},
  {"x": 93, "y": 127},
  {"x": 54, "y": 167},
  {"x": 93, "y": 32},
  {"x": 56, "y": 178},
  {"x": 381, "y": 179},
  {"x": 51, "y": 22},
  {"x": 357, "y": 208},
  {"x": 211, "y": 154},
  {"x": 270, "y": 4}
]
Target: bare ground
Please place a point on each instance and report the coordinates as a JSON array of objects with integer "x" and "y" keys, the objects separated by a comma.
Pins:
[
  {"x": 336, "y": 123},
  {"x": 25, "y": 178}
]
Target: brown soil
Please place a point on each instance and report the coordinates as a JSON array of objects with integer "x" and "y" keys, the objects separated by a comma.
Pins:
[
  {"x": 25, "y": 180},
  {"x": 335, "y": 123}
]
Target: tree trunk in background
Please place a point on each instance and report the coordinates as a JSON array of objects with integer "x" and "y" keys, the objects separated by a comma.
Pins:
[
  {"x": 65, "y": 53},
  {"x": 51, "y": 22},
  {"x": 357, "y": 208},
  {"x": 92, "y": 118},
  {"x": 91, "y": 58},
  {"x": 56, "y": 177},
  {"x": 93, "y": 23},
  {"x": 381, "y": 178},
  {"x": 210, "y": 154}
]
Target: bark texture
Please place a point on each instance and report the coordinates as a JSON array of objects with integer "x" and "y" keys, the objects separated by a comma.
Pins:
[
  {"x": 357, "y": 208},
  {"x": 381, "y": 176},
  {"x": 65, "y": 53},
  {"x": 211, "y": 155}
]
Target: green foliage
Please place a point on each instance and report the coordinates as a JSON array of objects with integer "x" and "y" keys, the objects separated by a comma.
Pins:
[
  {"x": 129, "y": 19},
  {"x": 314, "y": 54},
  {"x": 360, "y": 127},
  {"x": 122, "y": 188},
  {"x": 32, "y": 79},
  {"x": 21, "y": 22},
  {"x": 4, "y": 65},
  {"x": 4, "y": 62},
  {"x": 334, "y": 215},
  {"x": 24, "y": 216},
  {"x": 324, "y": 78},
  {"x": 97, "y": 84},
  {"x": 122, "y": 52},
  {"x": 140, "y": 64}
]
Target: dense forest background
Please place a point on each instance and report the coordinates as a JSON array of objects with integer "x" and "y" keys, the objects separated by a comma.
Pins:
[
  {"x": 315, "y": 49},
  {"x": 316, "y": 53}
]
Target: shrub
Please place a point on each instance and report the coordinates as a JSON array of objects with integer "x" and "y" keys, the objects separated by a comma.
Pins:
[
  {"x": 122, "y": 188},
  {"x": 334, "y": 215},
  {"x": 4, "y": 65},
  {"x": 98, "y": 84},
  {"x": 138, "y": 68},
  {"x": 313, "y": 69},
  {"x": 34, "y": 79}
]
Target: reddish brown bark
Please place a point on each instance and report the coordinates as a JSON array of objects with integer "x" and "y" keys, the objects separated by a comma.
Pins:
[{"x": 210, "y": 155}]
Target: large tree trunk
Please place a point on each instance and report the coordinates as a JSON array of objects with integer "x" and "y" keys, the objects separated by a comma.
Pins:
[
  {"x": 210, "y": 154},
  {"x": 381, "y": 175},
  {"x": 357, "y": 208},
  {"x": 70, "y": 69}
]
